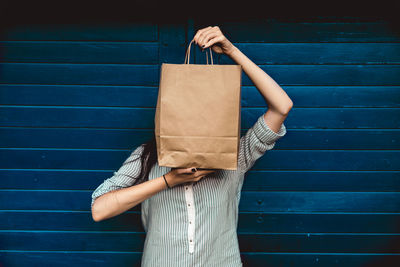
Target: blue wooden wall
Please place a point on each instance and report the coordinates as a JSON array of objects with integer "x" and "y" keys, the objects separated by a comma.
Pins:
[{"x": 75, "y": 100}]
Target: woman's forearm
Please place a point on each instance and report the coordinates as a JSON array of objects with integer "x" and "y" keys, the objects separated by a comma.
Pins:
[
  {"x": 274, "y": 95},
  {"x": 118, "y": 201}
]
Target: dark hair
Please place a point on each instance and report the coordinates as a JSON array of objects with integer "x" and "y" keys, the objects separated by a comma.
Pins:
[{"x": 147, "y": 159}]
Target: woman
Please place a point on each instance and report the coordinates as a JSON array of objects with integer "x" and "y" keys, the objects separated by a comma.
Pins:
[{"x": 190, "y": 216}]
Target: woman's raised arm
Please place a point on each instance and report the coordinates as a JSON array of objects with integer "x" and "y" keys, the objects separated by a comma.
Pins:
[{"x": 279, "y": 103}]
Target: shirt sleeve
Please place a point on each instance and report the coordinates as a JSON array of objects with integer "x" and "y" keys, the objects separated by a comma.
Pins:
[
  {"x": 256, "y": 142},
  {"x": 124, "y": 177}
]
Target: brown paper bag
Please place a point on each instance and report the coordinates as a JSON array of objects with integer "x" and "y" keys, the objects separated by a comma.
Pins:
[{"x": 197, "y": 121}]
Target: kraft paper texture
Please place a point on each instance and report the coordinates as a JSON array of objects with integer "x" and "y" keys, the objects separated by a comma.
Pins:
[{"x": 197, "y": 120}]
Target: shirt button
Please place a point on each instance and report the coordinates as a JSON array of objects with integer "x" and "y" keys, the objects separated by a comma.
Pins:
[
  {"x": 190, "y": 240},
  {"x": 188, "y": 204},
  {"x": 186, "y": 188},
  {"x": 190, "y": 222}
]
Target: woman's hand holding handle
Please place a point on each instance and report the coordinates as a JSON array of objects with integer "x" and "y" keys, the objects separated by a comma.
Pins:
[{"x": 214, "y": 38}]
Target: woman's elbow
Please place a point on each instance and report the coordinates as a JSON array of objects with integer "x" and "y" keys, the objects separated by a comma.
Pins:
[
  {"x": 289, "y": 107},
  {"x": 285, "y": 109},
  {"x": 96, "y": 215}
]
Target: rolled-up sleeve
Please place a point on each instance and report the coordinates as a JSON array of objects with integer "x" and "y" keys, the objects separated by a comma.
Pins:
[
  {"x": 127, "y": 174},
  {"x": 257, "y": 140}
]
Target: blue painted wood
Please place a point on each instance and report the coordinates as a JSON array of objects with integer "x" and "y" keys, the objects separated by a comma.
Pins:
[
  {"x": 14, "y": 137},
  {"x": 133, "y": 242},
  {"x": 80, "y": 52},
  {"x": 78, "y": 95},
  {"x": 65, "y": 259},
  {"x": 277, "y": 201},
  {"x": 101, "y": 74},
  {"x": 82, "y": 32},
  {"x": 258, "y": 259},
  {"x": 330, "y": 96},
  {"x": 123, "y": 74},
  {"x": 305, "y": 180},
  {"x": 172, "y": 39},
  {"x": 344, "y": 160},
  {"x": 265, "y": 180},
  {"x": 327, "y": 195},
  {"x": 303, "y": 31},
  {"x": 332, "y": 74},
  {"x": 17, "y": 258},
  {"x": 250, "y": 222},
  {"x": 315, "y": 259},
  {"x": 146, "y": 96},
  {"x": 368, "y": 160},
  {"x": 256, "y": 180},
  {"x": 124, "y": 117},
  {"x": 319, "y": 53}
]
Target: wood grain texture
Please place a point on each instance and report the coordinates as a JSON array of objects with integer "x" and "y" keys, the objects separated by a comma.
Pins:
[
  {"x": 76, "y": 100},
  {"x": 146, "y": 96},
  {"x": 143, "y": 118}
]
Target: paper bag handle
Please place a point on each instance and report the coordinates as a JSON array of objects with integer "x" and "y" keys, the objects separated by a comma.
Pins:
[{"x": 187, "y": 56}]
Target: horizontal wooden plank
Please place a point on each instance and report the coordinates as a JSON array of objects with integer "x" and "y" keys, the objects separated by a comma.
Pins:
[
  {"x": 100, "y": 74},
  {"x": 173, "y": 41},
  {"x": 329, "y": 96},
  {"x": 315, "y": 259},
  {"x": 82, "y": 32},
  {"x": 125, "y": 74},
  {"x": 53, "y": 179},
  {"x": 318, "y": 53},
  {"x": 276, "y": 31},
  {"x": 254, "y": 259},
  {"x": 14, "y": 137},
  {"x": 340, "y": 118},
  {"x": 329, "y": 160},
  {"x": 133, "y": 242},
  {"x": 331, "y": 74},
  {"x": 321, "y": 201},
  {"x": 64, "y": 259},
  {"x": 315, "y": 242},
  {"x": 372, "y": 181},
  {"x": 306, "y": 160},
  {"x": 77, "y": 117},
  {"x": 146, "y": 96},
  {"x": 250, "y": 201},
  {"x": 81, "y": 138},
  {"x": 355, "y": 181},
  {"x": 79, "y": 95},
  {"x": 289, "y": 222},
  {"x": 249, "y": 222},
  {"x": 80, "y": 52},
  {"x": 123, "y": 117}
]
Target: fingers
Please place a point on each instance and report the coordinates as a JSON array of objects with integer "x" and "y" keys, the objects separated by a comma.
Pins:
[
  {"x": 197, "y": 172},
  {"x": 210, "y": 36},
  {"x": 203, "y": 35},
  {"x": 198, "y": 178},
  {"x": 199, "y": 32},
  {"x": 213, "y": 41},
  {"x": 186, "y": 170},
  {"x": 203, "y": 173}
]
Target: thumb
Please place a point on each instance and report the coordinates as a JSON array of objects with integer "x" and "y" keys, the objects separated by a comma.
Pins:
[{"x": 187, "y": 170}]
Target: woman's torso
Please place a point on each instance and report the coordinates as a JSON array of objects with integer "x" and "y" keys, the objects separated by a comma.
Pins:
[{"x": 213, "y": 216}]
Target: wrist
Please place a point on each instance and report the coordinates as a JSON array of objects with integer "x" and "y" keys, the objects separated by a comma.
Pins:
[
  {"x": 170, "y": 180},
  {"x": 232, "y": 51}
]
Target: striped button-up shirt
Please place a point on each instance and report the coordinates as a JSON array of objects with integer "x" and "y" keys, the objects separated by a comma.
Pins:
[{"x": 195, "y": 224}]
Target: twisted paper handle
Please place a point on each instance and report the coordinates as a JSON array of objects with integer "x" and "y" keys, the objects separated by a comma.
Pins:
[{"x": 187, "y": 56}]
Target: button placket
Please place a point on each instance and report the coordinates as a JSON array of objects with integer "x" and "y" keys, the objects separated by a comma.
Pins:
[{"x": 191, "y": 215}]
